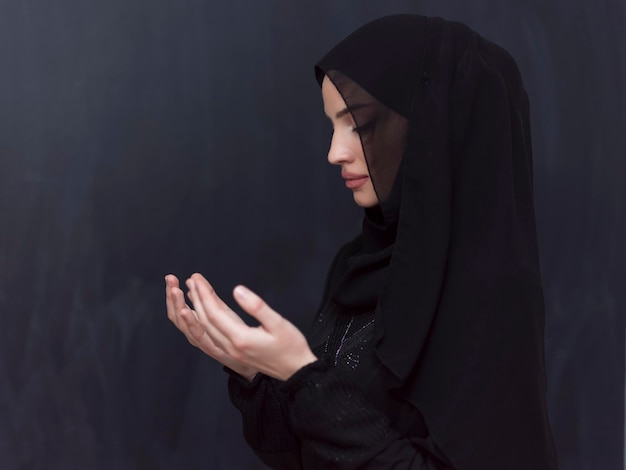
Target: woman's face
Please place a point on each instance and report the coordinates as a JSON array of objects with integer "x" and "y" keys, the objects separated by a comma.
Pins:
[{"x": 346, "y": 149}]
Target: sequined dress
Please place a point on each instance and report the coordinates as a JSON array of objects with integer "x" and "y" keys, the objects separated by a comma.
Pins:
[{"x": 334, "y": 413}]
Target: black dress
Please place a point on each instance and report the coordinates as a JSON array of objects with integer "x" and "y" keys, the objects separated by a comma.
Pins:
[
  {"x": 334, "y": 413},
  {"x": 430, "y": 339}
]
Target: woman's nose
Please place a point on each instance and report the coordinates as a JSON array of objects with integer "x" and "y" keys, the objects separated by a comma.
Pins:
[{"x": 338, "y": 152}]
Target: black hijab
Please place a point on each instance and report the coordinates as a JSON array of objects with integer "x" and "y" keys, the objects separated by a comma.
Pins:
[{"x": 449, "y": 259}]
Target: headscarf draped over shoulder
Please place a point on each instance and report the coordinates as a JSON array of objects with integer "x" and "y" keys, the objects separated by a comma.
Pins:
[{"x": 460, "y": 313}]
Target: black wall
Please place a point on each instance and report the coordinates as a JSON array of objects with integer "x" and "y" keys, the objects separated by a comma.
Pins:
[{"x": 142, "y": 137}]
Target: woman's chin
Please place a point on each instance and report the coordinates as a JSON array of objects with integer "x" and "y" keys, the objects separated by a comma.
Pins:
[{"x": 364, "y": 200}]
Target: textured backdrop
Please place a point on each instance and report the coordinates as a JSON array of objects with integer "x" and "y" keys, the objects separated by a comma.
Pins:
[{"x": 141, "y": 137}]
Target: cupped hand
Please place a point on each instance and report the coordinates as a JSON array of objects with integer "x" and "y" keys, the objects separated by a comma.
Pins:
[
  {"x": 186, "y": 320},
  {"x": 275, "y": 347}
]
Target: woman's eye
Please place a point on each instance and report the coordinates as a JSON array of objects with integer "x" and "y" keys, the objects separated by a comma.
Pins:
[{"x": 364, "y": 128}]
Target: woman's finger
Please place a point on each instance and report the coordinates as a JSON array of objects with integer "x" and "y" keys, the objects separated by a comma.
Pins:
[
  {"x": 183, "y": 326},
  {"x": 257, "y": 308},
  {"x": 203, "y": 340},
  {"x": 205, "y": 317},
  {"x": 208, "y": 294},
  {"x": 178, "y": 303},
  {"x": 193, "y": 326},
  {"x": 227, "y": 329},
  {"x": 171, "y": 282},
  {"x": 207, "y": 346},
  {"x": 187, "y": 321},
  {"x": 211, "y": 302},
  {"x": 175, "y": 301},
  {"x": 178, "y": 297}
]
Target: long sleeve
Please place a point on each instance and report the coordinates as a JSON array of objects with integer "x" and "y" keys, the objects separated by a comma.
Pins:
[
  {"x": 318, "y": 419},
  {"x": 263, "y": 406},
  {"x": 338, "y": 428},
  {"x": 322, "y": 417},
  {"x": 264, "y": 414}
]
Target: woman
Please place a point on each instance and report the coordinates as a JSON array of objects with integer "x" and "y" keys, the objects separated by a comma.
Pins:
[{"x": 427, "y": 351}]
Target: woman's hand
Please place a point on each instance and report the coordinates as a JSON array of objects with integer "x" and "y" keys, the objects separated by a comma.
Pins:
[
  {"x": 275, "y": 347},
  {"x": 186, "y": 320}
]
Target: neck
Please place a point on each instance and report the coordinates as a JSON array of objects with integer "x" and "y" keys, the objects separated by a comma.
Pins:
[{"x": 377, "y": 235}]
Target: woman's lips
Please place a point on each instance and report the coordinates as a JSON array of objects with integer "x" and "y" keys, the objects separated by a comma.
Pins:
[{"x": 354, "y": 181}]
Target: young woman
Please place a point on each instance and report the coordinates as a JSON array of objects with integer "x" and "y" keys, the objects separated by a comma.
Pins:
[{"x": 427, "y": 351}]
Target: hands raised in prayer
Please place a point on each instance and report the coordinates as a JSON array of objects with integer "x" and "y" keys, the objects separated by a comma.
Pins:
[{"x": 275, "y": 347}]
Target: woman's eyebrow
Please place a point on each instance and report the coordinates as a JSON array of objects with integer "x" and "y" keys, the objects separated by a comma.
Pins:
[{"x": 347, "y": 110}]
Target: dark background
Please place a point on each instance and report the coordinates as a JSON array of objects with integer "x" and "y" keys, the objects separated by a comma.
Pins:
[{"x": 141, "y": 137}]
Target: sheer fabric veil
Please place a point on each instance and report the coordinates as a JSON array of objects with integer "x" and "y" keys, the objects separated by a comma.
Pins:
[{"x": 444, "y": 122}]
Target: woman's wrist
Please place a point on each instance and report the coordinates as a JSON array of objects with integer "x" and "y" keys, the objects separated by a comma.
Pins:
[
  {"x": 250, "y": 375},
  {"x": 247, "y": 373},
  {"x": 300, "y": 364}
]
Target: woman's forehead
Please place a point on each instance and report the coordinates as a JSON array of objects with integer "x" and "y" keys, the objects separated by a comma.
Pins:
[{"x": 333, "y": 101}]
